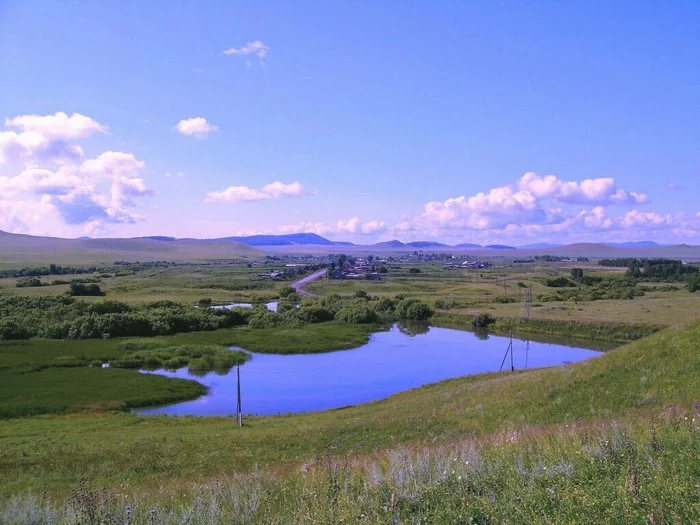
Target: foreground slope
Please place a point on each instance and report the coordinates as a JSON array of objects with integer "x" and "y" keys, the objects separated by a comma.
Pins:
[{"x": 54, "y": 452}]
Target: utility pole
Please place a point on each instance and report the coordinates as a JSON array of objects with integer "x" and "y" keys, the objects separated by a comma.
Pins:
[
  {"x": 239, "y": 410},
  {"x": 512, "y": 365},
  {"x": 528, "y": 301},
  {"x": 508, "y": 350}
]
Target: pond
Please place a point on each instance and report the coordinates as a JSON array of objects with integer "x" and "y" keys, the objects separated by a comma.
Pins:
[
  {"x": 391, "y": 362},
  {"x": 272, "y": 306}
]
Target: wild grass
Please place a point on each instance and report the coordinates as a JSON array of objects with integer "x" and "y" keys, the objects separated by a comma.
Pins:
[{"x": 632, "y": 471}]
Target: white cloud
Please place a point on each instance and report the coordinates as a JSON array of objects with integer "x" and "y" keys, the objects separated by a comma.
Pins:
[
  {"x": 255, "y": 48},
  {"x": 178, "y": 174},
  {"x": 103, "y": 189},
  {"x": 356, "y": 226},
  {"x": 274, "y": 190},
  {"x": 319, "y": 228},
  {"x": 353, "y": 226},
  {"x": 601, "y": 190},
  {"x": 532, "y": 200},
  {"x": 86, "y": 193},
  {"x": 637, "y": 218},
  {"x": 196, "y": 127},
  {"x": 58, "y": 126},
  {"x": 46, "y": 138}
]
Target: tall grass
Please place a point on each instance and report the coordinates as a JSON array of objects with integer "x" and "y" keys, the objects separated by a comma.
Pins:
[{"x": 634, "y": 471}]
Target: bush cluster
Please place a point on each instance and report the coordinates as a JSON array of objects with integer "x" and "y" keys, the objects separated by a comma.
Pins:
[
  {"x": 202, "y": 358},
  {"x": 605, "y": 289},
  {"x": 63, "y": 317}
]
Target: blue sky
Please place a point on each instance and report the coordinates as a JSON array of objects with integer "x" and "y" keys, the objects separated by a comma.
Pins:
[{"x": 515, "y": 122}]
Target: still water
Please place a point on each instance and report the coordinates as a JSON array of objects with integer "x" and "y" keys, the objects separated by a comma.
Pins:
[
  {"x": 392, "y": 361},
  {"x": 270, "y": 306}
]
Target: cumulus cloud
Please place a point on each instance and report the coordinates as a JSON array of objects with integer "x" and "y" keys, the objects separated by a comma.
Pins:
[
  {"x": 319, "y": 228},
  {"x": 197, "y": 127},
  {"x": 59, "y": 126},
  {"x": 601, "y": 190},
  {"x": 91, "y": 192},
  {"x": 531, "y": 200},
  {"x": 355, "y": 226},
  {"x": 104, "y": 188},
  {"x": 254, "y": 48},
  {"x": 45, "y": 138},
  {"x": 274, "y": 190},
  {"x": 352, "y": 226}
]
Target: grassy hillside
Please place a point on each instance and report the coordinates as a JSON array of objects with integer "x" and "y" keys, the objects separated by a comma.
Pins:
[
  {"x": 55, "y": 452},
  {"x": 18, "y": 249}
]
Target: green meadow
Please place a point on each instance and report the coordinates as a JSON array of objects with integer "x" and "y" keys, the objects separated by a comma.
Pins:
[{"x": 603, "y": 441}]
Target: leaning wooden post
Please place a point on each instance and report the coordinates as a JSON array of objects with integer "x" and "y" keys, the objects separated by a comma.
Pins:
[
  {"x": 239, "y": 411},
  {"x": 512, "y": 366}
]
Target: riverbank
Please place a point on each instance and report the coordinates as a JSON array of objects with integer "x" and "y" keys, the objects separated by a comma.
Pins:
[{"x": 600, "y": 331}]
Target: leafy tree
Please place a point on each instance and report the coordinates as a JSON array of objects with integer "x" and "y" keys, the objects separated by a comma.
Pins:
[{"x": 577, "y": 274}]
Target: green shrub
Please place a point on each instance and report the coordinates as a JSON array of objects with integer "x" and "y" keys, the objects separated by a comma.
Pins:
[
  {"x": 385, "y": 304},
  {"x": 559, "y": 282},
  {"x": 264, "y": 320},
  {"x": 414, "y": 309},
  {"x": 482, "y": 320},
  {"x": 81, "y": 289},
  {"x": 285, "y": 291},
  {"x": 504, "y": 299},
  {"x": 28, "y": 282},
  {"x": 357, "y": 314}
]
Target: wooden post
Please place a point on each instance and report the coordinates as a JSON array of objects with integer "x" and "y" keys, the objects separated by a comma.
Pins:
[
  {"x": 239, "y": 410},
  {"x": 512, "y": 366}
]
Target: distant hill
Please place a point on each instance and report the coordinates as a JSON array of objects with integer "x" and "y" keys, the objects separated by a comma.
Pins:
[
  {"x": 28, "y": 249},
  {"x": 499, "y": 247},
  {"x": 469, "y": 245},
  {"x": 389, "y": 244},
  {"x": 539, "y": 246},
  {"x": 637, "y": 244},
  {"x": 152, "y": 237},
  {"x": 280, "y": 240},
  {"x": 425, "y": 244}
]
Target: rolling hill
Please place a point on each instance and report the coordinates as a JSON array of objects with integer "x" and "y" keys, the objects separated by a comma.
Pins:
[{"x": 28, "y": 249}]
